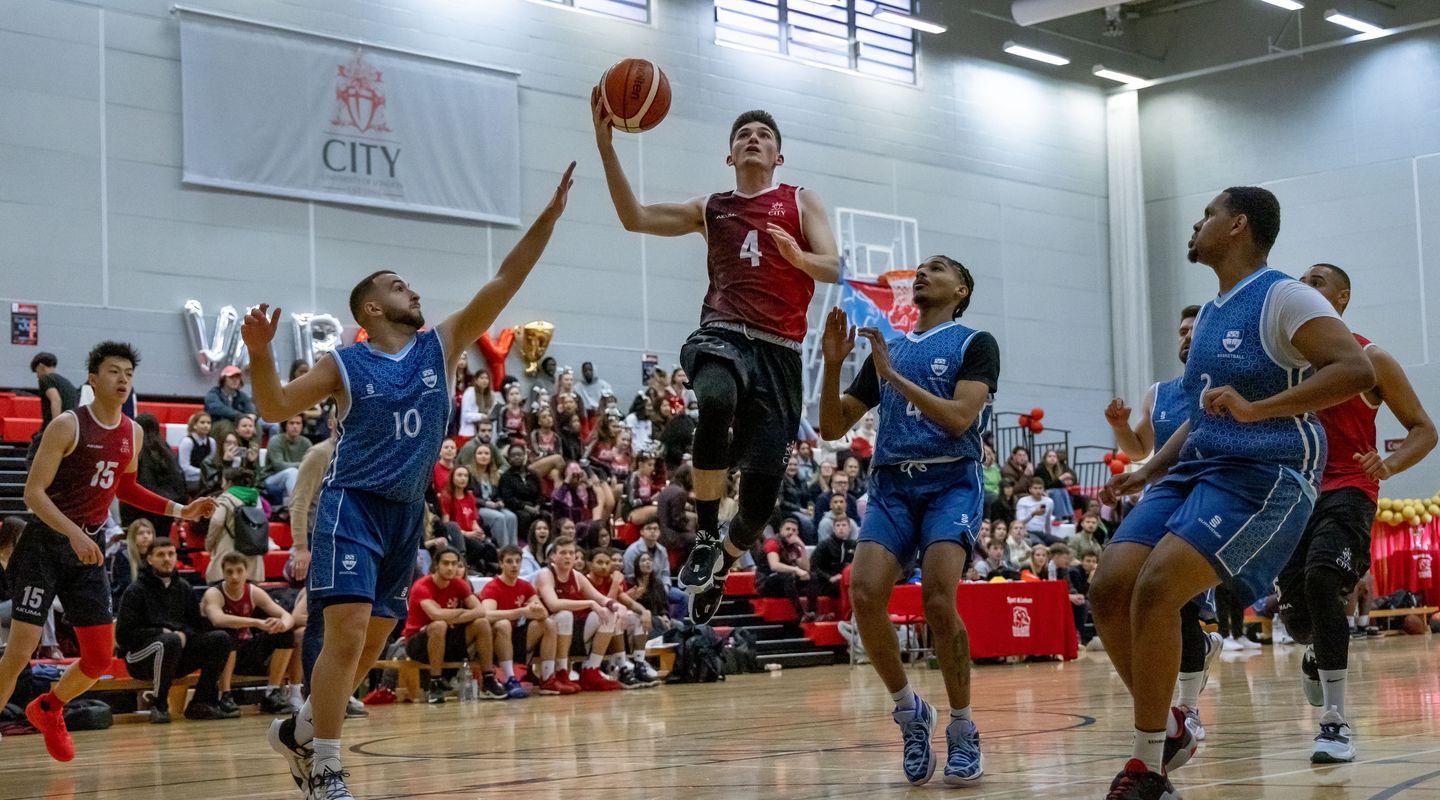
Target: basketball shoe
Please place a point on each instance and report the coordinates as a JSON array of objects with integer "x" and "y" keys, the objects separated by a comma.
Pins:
[
  {"x": 1137, "y": 782},
  {"x": 47, "y": 714},
  {"x": 297, "y": 756},
  {"x": 705, "y": 565},
  {"x": 1334, "y": 745},
  {"x": 916, "y": 725},
  {"x": 706, "y": 602},
  {"x": 1180, "y": 747},
  {"x": 963, "y": 764},
  {"x": 329, "y": 785},
  {"x": 1310, "y": 679}
]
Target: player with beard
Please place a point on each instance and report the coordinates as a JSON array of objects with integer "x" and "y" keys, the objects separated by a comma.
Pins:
[{"x": 394, "y": 399}]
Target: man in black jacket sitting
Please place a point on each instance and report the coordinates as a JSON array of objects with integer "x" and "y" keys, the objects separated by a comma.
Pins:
[
  {"x": 163, "y": 637},
  {"x": 831, "y": 557}
]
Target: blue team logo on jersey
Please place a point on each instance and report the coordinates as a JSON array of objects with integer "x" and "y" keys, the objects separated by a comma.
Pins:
[
  {"x": 1231, "y": 341},
  {"x": 428, "y": 376},
  {"x": 938, "y": 366},
  {"x": 349, "y": 561}
]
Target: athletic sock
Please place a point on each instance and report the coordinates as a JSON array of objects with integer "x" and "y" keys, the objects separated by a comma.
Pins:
[
  {"x": 1190, "y": 684},
  {"x": 1332, "y": 684},
  {"x": 1364, "y": 620},
  {"x": 327, "y": 756},
  {"x": 547, "y": 669},
  {"x": 708, "y": 514},
  {"x": 905, "y": 698},
  {"x": 305, "y": 723},
  {"x": 507, "y": 668},
  {"x": 960, "y": 713},
  {"x": 1150, "y": 749},
  {"x": 593, "y": 661},
  {"x": 617, "y": 660}
]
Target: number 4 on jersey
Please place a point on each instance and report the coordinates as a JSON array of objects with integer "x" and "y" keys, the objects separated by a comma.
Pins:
[{"x": 750, "y": 248}]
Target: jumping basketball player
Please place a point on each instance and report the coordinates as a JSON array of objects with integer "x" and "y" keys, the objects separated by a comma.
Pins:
[
  {"x": 1164, "y": 409},
  {"x": 87, "y": 457},
  {"x": 934, "y": 387},
  {"x": 394, "y": 401},
  {"x": 1334, "y": 552},
  {"x": 1236, "y": 483},
  {"x": 768, "y": 244}
]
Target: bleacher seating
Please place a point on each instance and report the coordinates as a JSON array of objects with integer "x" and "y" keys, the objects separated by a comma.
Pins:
[{"x": 20, "y": 415}]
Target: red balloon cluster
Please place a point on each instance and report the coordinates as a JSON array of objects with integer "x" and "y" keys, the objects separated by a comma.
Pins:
[
  {"x": 1031, "y": 421},
  {"x": 1117, "y": 461}
]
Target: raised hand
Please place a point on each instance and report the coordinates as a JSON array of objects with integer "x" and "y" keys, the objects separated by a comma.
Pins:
[
  {"x": 604, "y": 131},
  {"x": 562, "y": 194},
  {"x": 258, "y": 329},
  {"x": 198, "y": 509},
  {"x": 838, "y": 339},
  {"x": 879, "y": 353},
  {"x": 789, "y": 248},
  {"x": 1117, "y": 413}
]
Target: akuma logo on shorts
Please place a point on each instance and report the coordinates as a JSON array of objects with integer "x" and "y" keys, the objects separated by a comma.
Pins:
[{"x": 1231, "y": 341}]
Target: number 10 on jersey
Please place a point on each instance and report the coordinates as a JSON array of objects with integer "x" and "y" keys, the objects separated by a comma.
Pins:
[{"x": 408, "y": 424}]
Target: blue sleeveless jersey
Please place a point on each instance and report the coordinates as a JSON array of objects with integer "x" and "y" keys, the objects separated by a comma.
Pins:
[
  {"x": 1228, "y": 350},
  {"x": 932, "y": 361},
  {"x": 399, "y": 408},
  {"x": 1170, "y": 410}
]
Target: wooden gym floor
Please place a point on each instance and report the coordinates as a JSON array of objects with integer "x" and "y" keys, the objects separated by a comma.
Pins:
[{"x": 1050, "y": 730}]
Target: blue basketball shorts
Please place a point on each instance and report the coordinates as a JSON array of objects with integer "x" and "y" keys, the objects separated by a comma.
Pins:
[
  {"x": 913, "y": 506},
  {"x": 1245, "y": 517},
  {"x": 363, "y": 546}
]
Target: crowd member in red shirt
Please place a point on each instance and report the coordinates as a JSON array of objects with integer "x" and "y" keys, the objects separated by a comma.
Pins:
[
  {"x": 521, "y": 624},
  {"x": 446, "y": 623},
  {"x": 783, "y": 569},
  {"x": 444, "y": 465},
  {"x": 458, "y": 505},
  {"x": 262, "y": 630},
  {"x": 574, "y": 603},
  {"x": 510, "y": 418},
  {"x": 632, "y": 623}
]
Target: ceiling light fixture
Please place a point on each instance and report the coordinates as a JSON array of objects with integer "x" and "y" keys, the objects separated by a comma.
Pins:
[
  {"x": 1347, "y": 21},
  {"x": 1288, "y": 5},
  {"x": 922, "y": 25},
  {"x": 1119, "y": 77},
  {"x": 1035, "y": 55}
]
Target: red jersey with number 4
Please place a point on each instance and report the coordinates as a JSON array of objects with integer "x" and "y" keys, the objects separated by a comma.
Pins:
[
  {"x": 86, "y": 480},
  {"x": 750, "y": 281},
  {"x": 1349, "y": 430}
]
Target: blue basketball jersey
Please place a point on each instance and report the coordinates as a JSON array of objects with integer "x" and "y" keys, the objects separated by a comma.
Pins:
[
  {"x": 932, "y": 361},
  {"x": 1170, "y": 410},
  {"x": 399, "y": 408},
  {"x": 1228, "y": 350}
]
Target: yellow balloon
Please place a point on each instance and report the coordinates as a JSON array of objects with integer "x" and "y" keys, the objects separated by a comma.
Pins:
[
  {"x": 1426, "y": 517},
  {"x": 1387, "y": 517},
  {"x": 1433, "y": 509},
  {"x": 1386, "y": 504}
]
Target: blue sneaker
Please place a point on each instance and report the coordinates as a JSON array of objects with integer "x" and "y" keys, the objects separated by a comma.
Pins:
[
  {"x": 963, "y": 764},
  {"x": 916, "y": 725},
  {"x": 514, "y": 690}
]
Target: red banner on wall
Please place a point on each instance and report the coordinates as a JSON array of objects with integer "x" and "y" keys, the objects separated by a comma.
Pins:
[{"x": 1406, "y": 557}]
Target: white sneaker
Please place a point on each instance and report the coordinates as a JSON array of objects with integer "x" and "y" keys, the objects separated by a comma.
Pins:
[
  {"x": 329, "y": 785},
  {"x": 1246, "y": 643},
  {"x": 1334, "y": 745},
  {"x": 1213, "y": 645},
  {"x": 1310, "y": 679},
  {"x": 1096, "y": 645},
  {"x": 1231, "y": 646},
  {"x": 1192, "y": 721}
]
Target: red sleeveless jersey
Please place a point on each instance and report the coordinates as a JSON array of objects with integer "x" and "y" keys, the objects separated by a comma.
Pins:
[
  {"x": 244, "y": 607},
  {"x": 1349, "y": 429},
  {"x": 570, "y": 590},
  {"x": 750, "y": 282},
  {"x": 86, "y": 480}
]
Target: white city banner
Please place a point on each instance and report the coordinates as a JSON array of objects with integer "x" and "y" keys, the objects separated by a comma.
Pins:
[{"x": 283, "y": 112}]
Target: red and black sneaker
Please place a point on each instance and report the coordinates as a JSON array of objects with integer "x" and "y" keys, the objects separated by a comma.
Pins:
[
  {"x": 47, "y": 714},
  {"x": 1180, "y": 747},
  {"x": 1137, "y": 782}
]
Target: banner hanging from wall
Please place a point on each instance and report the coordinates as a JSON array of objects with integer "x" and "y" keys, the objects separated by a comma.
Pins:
[
  {"x": 284, "y": 112},
  {"x": 888, "y": 304}
]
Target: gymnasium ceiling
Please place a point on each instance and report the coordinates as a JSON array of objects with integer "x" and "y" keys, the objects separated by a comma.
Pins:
[{"x": 1160, "y": 38}]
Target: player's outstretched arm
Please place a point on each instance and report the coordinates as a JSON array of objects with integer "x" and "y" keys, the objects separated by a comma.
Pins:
[
  {"x": 1341, "y": 372},
  {"x": 1395, "y": 391},
  {"x": 656, "y": 219},
  {"x": 467, "y": 324},
  {"x": 131, "y": 493},
  {"x": 1128, "y": 483},
  {"x": 822, "y": 260},
  {"x": 838, "y": 412},
  {"x": 272, "y": 400}
]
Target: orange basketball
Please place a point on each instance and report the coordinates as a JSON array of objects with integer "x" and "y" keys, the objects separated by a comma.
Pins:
[
  {"x": 636, "y": 95},
  {"x": 1413, "y": 625}
]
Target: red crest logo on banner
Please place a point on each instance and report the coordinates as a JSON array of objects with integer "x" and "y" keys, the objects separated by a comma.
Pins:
[{"x": 360, "y": 97}]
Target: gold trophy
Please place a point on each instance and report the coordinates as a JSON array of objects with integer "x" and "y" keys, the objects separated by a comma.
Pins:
[{"x": 534, "y": 341}]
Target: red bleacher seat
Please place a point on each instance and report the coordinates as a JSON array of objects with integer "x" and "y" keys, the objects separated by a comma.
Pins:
[
  {"x": 627, "y": 532},
  {"x": 192, "y": 537},
  {"x": 21, "y": 405},
  {"x": 200, "y": 560},
  {"x": 19, "y": 430},
  {"x": 823, "y": 634},
  {"x": 275, "y": 562},
  {"x": 280, "y": 535},
  {"x": 740, "y": 584},
  {"x": 780, "y": 609}
]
